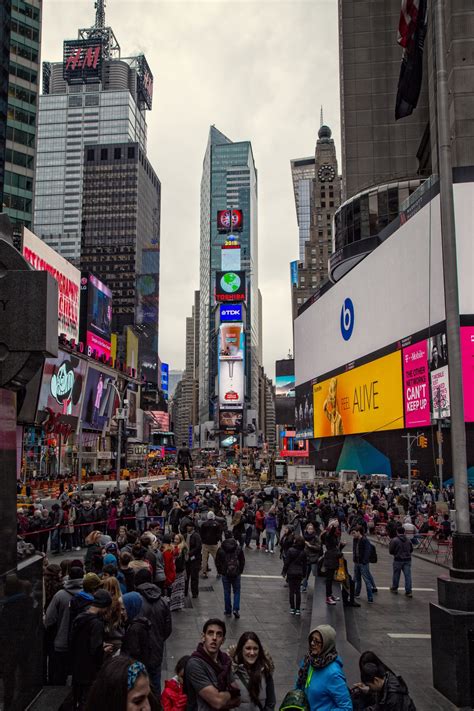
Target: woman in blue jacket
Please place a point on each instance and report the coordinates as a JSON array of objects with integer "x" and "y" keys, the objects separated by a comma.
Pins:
[{"x": 321, "y": 675}]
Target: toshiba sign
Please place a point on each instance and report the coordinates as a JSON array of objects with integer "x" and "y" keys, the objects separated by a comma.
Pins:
[{"x": 44, "y": 259}]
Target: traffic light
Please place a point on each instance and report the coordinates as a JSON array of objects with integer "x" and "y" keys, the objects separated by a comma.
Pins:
[{"x": 422, "y": 441}]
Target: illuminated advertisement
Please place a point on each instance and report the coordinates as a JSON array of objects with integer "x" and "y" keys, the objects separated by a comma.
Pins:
[
  {"x": 165, "y": 369},
  {"x": 96, "y": 315},
  {"x": 285, "y": 392},
  {"x": 467, "y": 359},
  {"x": 160, "y": 420},
  {"x": 231, "y": 420},
  {"x": 132, "y": 399},
  {"x": 148, "y": 294},
  {"x": 231, "y": 384},
  {"x": 231, "y": 341},
  {"x": 230, "y": 221},
  {"x": 231, "y": 313},
  {"x": 230, "y": 286},
  {"x": 416, "y": 385},
  {"x": 294, "y": 273},
  {"x": 82, "y": 60},
  {"x": 230, "y": 257},
  {"x": 145, "y": 82},
  {"x": 365, "y": 399},
  {"x": 439, "y": 374},
  {"x": 44, "y": 259},
  {"x": 98, "y": 399},
  {"x": 304, "y": 421},
  {"x": 131, "y": 345},
  {"x": 62, "y": 385}
]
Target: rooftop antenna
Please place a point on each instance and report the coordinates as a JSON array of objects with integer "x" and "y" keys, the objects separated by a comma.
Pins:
[
  {"x": 99, "y": 14},
  {"x": 321, "y": 120}
]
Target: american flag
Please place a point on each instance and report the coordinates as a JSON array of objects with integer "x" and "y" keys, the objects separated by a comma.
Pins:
[{"x": 408, "y": 21}]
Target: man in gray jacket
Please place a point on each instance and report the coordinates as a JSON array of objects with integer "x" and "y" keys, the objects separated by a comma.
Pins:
[
  {"x": 57, "y": 617},
  {"x": 401, "y": 548}
]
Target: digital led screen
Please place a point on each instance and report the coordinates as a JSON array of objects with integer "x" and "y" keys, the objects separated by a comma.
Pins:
[
  {"x": 304, "y": 421},
  {"x": 231, "y": 341},
  {"x": 366, "y": 399},
  {"x": 285, "y": 392},
  {"x": 231, "y": 420},
  {"x": 96, "y": 315},
  {"x": 231, "y": 313},
  {"x": 230, "y": 221},
  {"x": 62, "y": 385},
  {"x": 231, "y": 384},
  {"x": 98, "y": 399},
  {"x": 230, "y": 258},
  {"x": 416, "y": 385},
  {"x": 439, "y": 375},
  {"x": 467, "y": 358},
  {"x": 230, "y": 286}
]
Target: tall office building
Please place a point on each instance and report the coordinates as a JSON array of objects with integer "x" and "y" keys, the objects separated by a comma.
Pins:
[
  {"x": 5, "y": 27},
  {"x": 23, "y": 93},
  {"x": 94, "y": 96},
  {"x": 317, "y": 190},
  {"x": 376, "y": 149},
  {"x": 229, "y": 180},
  {"x": 184, "y": 404},
  {"x": 121, "y": 197}
]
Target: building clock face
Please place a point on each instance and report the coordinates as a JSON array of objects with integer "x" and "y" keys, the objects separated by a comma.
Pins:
[{"x": 326, "y": 173}]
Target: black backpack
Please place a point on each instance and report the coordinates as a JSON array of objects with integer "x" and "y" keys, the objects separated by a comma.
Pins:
[
  {"x": 232, "y": 568},
  {"x": 373, "y": 554}
]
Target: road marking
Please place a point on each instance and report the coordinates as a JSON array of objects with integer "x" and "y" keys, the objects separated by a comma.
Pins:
[
  {"x": 414, "y": 589},
  {"x": 400, "y": 635},
  {"x": 275, "y": 577}
]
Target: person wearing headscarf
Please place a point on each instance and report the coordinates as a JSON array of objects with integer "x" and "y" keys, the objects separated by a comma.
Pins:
[{"x": 321, "y": 674}]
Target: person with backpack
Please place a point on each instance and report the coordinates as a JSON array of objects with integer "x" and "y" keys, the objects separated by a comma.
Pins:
[
  {"x": 211, "y": 535},
  {"x": 294, "y": 570},
  {"x": 136, "y": 641},
  {"x": 158, "y": 612},
  {"x": 56, "y": 622},
  {"x": 361, "y": 554},
  {"x": 230, "y": 563},
  {"x": 389, "y": 691}
]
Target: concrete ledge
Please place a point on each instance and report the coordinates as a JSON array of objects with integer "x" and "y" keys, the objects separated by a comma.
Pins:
[{"x": 52, "y": 698}]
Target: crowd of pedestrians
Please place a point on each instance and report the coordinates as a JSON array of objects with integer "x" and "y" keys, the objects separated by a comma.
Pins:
[{"x": 108, "y": 614}]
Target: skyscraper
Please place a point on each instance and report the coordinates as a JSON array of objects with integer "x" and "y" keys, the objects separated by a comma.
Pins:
[
  {"x": 317, "y": 190},
  {"x": 23, "y": 92},
  {"x": 229, "y": 180},
  {"x": 93, "y": 97},
  {"x": 121, "y": 202},
  {"x": 5, "y": 25}
]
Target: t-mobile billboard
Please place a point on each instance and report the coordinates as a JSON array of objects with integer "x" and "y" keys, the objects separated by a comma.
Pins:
[{"x": 416, "y": 385}]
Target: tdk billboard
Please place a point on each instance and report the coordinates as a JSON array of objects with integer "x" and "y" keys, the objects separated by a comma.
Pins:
[{"x": 231, "y": 313}]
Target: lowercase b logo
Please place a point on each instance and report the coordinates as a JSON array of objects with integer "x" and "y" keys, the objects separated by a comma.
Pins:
[{"x": 347, "y": 319}]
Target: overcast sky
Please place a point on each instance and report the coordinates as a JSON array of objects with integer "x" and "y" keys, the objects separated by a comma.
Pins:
[{"x": 257, "y": 69}]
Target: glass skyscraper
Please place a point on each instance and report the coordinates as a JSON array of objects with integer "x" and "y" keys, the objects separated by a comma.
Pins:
[
  {"x": 23, "y": 91},
  {"x": 229, "y": 180}
]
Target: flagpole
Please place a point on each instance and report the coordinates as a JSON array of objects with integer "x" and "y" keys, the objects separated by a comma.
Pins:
[{"x": 451, "y": 294}]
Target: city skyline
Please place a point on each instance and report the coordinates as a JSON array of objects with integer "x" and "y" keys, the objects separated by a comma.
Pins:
[{"x": 267, "y": 72}]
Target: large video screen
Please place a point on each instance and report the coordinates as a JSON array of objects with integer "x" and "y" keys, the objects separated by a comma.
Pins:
[
  {"x": 416, "y": 385},
  {"x": 98, "y": 399},
  {"x": 230, "y": 221},
  {"x": 231, "y": 341},
  {"x": 467, "y": 356},
  {"x": 231, "y": 384},
  {"x": 230, "y": 286},
  {"x": 304, "y": 421},
  {"x": 285, "y": 392},
  {"x": 366, "y": 399},
  {"x": 96, "y": 315},
  {"x": 62, "y": 386}
]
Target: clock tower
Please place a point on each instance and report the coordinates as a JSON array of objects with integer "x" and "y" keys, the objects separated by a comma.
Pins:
[{"x": 325, "y": 198}]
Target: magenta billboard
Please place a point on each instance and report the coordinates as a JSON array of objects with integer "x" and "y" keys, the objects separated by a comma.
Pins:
[
  {"x": 416, "y": 385},
  {"x": 467, "y": 358}
]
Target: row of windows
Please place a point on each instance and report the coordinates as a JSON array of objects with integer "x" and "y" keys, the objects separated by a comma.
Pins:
[
  {"x": 26, "y": 9},
  {"x": 20, "y": 115},
  {"x": 18, "y": 181},
  {"x": 17, "y": 70},
  {"x": 14, "y": 202},
  {"x": 23, "y": 51},
  {"x": 26, "y": 139},
  {"x": 24, "y": 31},
  {"x": 19, "y": 159}
]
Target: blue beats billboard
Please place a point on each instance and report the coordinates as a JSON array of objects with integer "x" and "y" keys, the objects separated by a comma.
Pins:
[{"x": 231, "y": 313}]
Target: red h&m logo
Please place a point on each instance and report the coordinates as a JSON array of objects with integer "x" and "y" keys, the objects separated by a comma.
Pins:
[{"x": 83, "y": 58}]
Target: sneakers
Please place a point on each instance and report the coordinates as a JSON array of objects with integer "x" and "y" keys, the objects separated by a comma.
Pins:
[
  {"x": 357, "y": 596},
  {"x": 330, "y": 601},
  {"x": 292, "y": 611},
  {"x": 394, "y": 591},
  {"x": 227, "y": 614},
  {"x": 409, "y": 594},
  {"x": 298, "y": 613},
  {"x": 272, "y": 552},
  {"x": 375, "y": 590},
  {"x": 303, "y": 589},
  {"x": 371, "y": 602},
  {"x": 351, "y": 604},
  {"x": 204, "y": 575},
  {"x": 237, "y": 614},
  {"x": 335, "y": 598}
]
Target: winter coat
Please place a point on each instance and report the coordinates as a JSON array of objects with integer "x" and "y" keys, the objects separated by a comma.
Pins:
[
  {"x": 157, "y": 611},
  {"x": 173, "y": 697},
  {"x": 260, "y": 520},
  {"x": 326, "y": 688},
  {"x": 136, "y": 642},
  {"x": 401, "y": 548},
  {"x": 266, "y": 696},
  {"x": 210, "y": 532},
  {"x": 170, "y": 568},
  {"x": 332, "y": 553},
  {"x": 361, "y": 550},
  {"x": 313, "y": 547},
  {"x": 228, "y": 549},
  {"x": 393, "y": 696},
  {"x": 295, "y": 562},
  {"x": 57, "y": 613},
  {"x": 92, "y": 550},
  {"x": 270, "y": 523},
  {"x": 87, "y": 648},
  {"x": 194, "y": 546}
]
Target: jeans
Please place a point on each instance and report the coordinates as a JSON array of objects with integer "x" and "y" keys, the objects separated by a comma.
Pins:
[
  {"x": 192, "y": 576},
  {"x": 154, "y": 674},
  {"x": 55, "y": 541},
  {"x": 248, "y": 535},
  {"x": 329, "y": 578},
  {"x": 271, "y": 535},
  {"x": 234, "y": 584},
  {"x": 312, "y": 568},
  {"x": 140, "y": 525},
  {"x": 398, "y": 566},
  {"x": 294, "y": 584},
  {"x": 361, "y": 570}
]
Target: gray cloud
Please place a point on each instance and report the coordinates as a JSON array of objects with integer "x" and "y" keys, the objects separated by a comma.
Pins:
[{"x": 258, "y": 70}]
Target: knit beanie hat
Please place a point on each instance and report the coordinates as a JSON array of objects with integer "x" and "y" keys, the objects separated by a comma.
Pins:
[{"x": 91, "y": 582}]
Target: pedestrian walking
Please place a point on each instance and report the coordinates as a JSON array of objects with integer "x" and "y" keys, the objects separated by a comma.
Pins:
[
  {"x": 211, "y": 535},
  {"x": 294, "y": 570},
  {"x": 401, "y": 548},
  {"x": 209, "y": 682},
  {"x": 177, "y": 589},
  {"x": 259, "y": 524},
  {"x": 313, "y": 549},
  {"x": 321, "y": 673},
  {"x": 271, "y": 525},
  {"x": 230, "y": 561},
  {"x": 330, "y": 538},
  {"x": 253, "y": 669},
  {"x": 193, "y": 562},
  {"x": 361, "y": 549},
  {"x": 157, "y": 611},
  {"x": 141, "y": 516}
]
